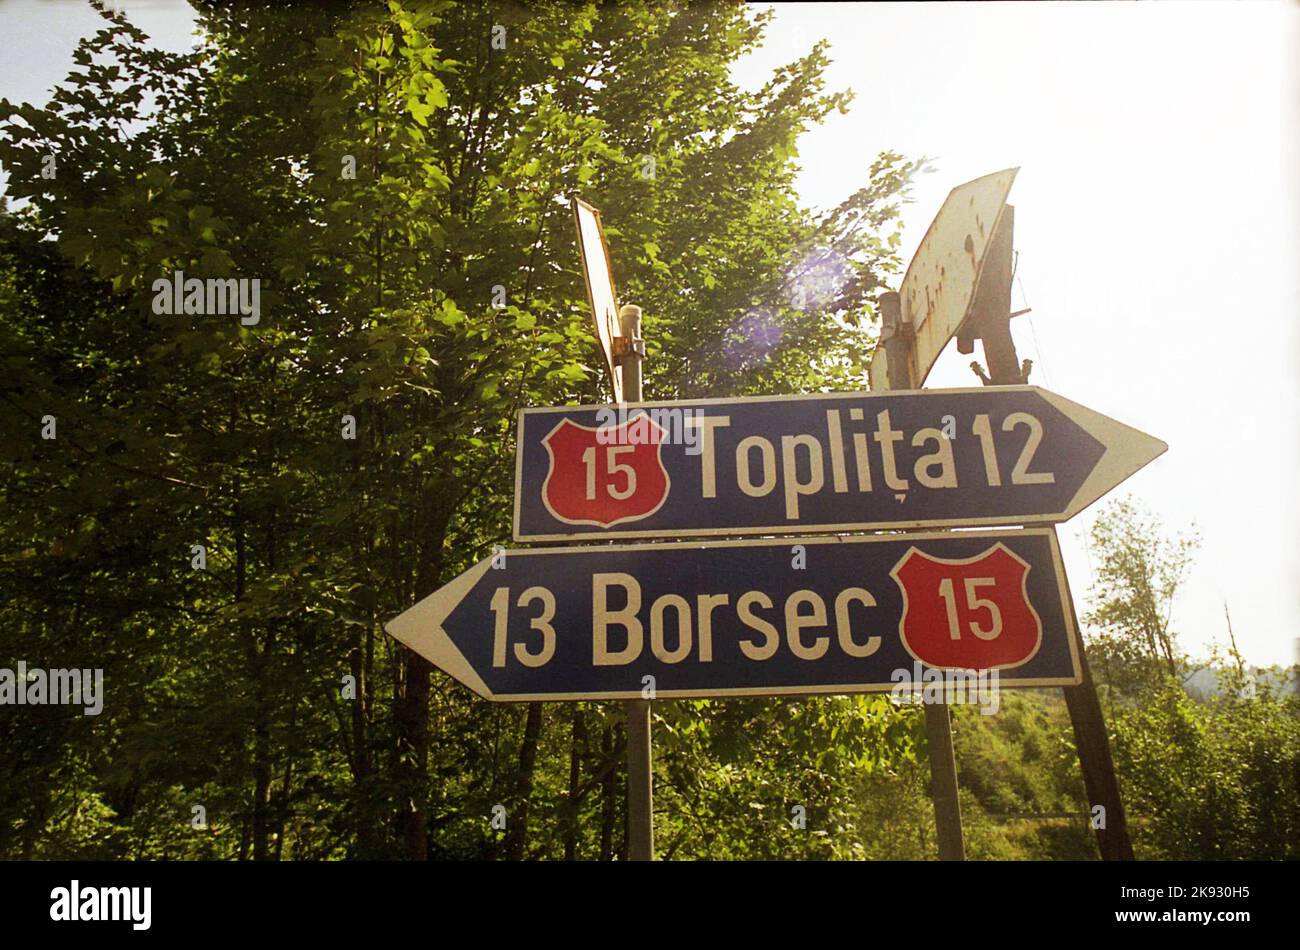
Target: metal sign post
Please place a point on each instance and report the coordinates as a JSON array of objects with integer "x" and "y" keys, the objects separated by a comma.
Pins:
[
  {"x": 899, "y": 342},
  {"x": 619, "y": 332},
  {"x": 629, "y": 350}
]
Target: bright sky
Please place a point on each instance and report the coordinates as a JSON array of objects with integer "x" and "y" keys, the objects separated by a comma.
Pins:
[
  {"x": 1158, "y": 225},
  {"x": 1157, "y": 220}
]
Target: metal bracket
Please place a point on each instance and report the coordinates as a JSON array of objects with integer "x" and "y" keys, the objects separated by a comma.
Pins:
[
  {"x": 1025, "y": 366},
  {"x": 623, "y": 347}
]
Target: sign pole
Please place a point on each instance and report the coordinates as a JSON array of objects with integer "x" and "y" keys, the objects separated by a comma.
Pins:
[
  {"x": 630, "y": 352},
  {"x": 899, "y": 341},
  {"x": 1096, "y": 763},
  {"x": 990, "y": 321}
]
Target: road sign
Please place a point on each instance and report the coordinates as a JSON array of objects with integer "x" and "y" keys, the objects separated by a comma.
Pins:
[
  {"x": 837, "y": 462},
  {"x": 760, "y": 617},
  {"x": 599, "y": 275},
  {"x": 941, "y": 281}
]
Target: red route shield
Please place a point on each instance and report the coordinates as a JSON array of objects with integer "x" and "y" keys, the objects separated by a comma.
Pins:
[
  {"x": 605, "y": 476},
  {"x": 967, "y": 614}
]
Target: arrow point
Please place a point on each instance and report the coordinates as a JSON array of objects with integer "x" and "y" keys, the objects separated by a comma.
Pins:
[
  {"x": 420, "y": 628},
  {"x": 1125, "y": 450},
  {"x": 1154, "y": 448}
]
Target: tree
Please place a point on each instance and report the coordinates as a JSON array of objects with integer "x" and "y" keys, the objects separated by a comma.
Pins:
[
  {"x": 1205, "y": 780},
  {"x": 1213, "y": 780},
  {"x": 386, "y": 174},
  {"x": 1138, "y": 575}
]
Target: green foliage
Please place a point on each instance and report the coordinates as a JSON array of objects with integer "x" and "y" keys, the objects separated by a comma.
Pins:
[
  {"x": 1138, "y": 575},
  {"x": 1021, "y": 772},
  {"x": 733, "y": 773},
  {"x": 383, "y": 171},
  {"x": 1217, "y": 780}
]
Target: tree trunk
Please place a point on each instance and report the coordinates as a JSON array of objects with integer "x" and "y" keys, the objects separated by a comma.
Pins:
[
  {"x": 367, "y": 830},
  {"x": 608, "y": 798},
  {"x": 261, "y": 787},
  {"x": 413, "y": 758},
  {"x": 579, "y": 741},
  {"x": 413, "y": 702},
  {"x": 517, "y": 834}
]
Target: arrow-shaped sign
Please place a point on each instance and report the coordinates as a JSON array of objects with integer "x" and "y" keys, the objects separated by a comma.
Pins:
[
  {"x": 784, "y": 464},
  {"x": 737, "y": 618}
]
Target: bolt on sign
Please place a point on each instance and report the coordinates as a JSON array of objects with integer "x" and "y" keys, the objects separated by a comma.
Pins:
[
  {"x": 838, "y": 462},
  {"x": 754, "y": 617}
]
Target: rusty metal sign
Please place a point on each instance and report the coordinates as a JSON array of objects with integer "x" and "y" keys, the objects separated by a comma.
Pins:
[{"x": 938, "y": 290}]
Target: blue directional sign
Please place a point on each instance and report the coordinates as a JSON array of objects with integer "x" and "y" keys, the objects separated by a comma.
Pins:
[
  {"x": 787, "y": 464},
  {"x": 769, "y": 617}
]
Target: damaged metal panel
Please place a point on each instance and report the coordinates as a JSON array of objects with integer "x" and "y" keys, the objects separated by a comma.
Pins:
[{"x": 938, "y": 290}]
